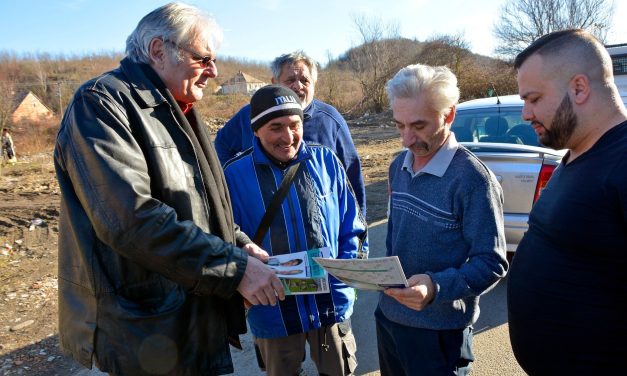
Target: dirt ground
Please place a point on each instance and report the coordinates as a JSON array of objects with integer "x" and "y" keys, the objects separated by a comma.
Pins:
[{"x": 29, "y": 211}]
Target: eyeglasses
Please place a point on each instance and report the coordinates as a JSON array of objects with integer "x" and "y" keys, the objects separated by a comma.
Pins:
[{"x": 205, "y": 61}]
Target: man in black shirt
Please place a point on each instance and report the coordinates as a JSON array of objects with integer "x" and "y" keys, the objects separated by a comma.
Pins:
[{"x": 567, "y": 292}]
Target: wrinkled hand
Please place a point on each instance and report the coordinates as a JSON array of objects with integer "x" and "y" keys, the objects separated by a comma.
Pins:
[
  {"x": 260, "y": 285},
  {"x": 419, "y": 293},
  {"x": 255, "y": 251}
]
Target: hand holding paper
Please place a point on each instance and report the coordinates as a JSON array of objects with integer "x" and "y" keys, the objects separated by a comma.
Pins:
[
  {"x": 255, "y": 251},
  {"x": 366, "y": 274},
  {"x": 299, "y": 274},
  {"x": 418, "y": 295}
]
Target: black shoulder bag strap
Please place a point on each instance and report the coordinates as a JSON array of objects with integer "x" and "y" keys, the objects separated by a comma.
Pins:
[
  {"x": 276, "y": 202},
  {"x": 268, "y": 216}
]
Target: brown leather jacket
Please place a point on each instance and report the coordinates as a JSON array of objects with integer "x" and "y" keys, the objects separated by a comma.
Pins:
[{"x": 143, "y": 283}]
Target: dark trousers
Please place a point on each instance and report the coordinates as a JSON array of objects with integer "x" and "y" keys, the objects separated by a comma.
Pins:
[
  {"x": 332, "y": 348},
  {"x": 405, "y": 351}
]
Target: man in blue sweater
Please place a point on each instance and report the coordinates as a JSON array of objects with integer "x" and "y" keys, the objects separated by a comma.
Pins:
[
  {"x": 446, "y": 227},
  {"x": 318, "y": 210},
  {"x": 323, "y": 124}
]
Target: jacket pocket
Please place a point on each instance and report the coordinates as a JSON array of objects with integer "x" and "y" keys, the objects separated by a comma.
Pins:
[
  {"x": 152, "y": 298},
  {"x": 349, "y": 346}
]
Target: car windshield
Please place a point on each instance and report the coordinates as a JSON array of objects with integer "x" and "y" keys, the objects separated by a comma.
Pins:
[{"x": 500, "y": 125}]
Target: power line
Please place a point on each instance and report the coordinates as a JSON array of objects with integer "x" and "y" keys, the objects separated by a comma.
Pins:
[{"x": 35, "y": 83}]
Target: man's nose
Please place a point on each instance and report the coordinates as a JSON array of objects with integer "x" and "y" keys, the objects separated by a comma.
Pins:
[
  {"x": 527, "y": 114},
  {"x": 296, "y": 86},
  {"x": 407, "y": 137},
  {"x": 211, "y": 70},
  {"x": 287, "y": 136}
]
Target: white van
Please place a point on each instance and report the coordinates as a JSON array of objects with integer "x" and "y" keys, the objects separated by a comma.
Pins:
[{"x": 618, "y": 52}]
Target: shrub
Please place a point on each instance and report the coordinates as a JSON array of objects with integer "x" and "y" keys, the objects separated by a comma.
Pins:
[{"x": 35, "y": 137}]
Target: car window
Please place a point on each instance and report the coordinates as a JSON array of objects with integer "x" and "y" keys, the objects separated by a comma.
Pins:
[{"x": 504, "y": 125}]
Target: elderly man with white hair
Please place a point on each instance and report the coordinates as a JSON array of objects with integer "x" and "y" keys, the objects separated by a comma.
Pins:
[{"x": 151, "y": 264}]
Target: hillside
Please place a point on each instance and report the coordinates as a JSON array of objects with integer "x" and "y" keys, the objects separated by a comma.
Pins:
[
  {"x": 372, "y": 64},
  {"x": 353, "y": 82}
]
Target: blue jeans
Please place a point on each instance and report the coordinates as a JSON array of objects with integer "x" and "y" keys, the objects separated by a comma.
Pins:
[{"x": 405, "y": 350}]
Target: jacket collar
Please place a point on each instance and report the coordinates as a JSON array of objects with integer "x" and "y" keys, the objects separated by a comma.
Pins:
[
  {"x": 438, "y": 165},
  {"x": 140, "y": 82},
  {"x": 309, "y": 110}
]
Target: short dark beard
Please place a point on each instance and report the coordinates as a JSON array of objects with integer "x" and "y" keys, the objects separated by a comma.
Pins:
[{"x": 562, "y": 127}]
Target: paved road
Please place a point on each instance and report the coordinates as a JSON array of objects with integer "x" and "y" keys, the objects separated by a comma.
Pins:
[{"x": 491, "y": 342}]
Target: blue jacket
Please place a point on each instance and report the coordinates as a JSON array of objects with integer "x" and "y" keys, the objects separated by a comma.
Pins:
[
  {"x": 318, "y": 211},
  {"x": 322, "y": 125}
]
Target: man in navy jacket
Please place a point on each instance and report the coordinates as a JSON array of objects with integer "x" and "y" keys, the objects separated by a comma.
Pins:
[{"x": 323, "y": 124}]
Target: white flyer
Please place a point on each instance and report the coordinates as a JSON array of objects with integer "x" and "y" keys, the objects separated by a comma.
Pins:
[{"x": 366, "y": 274}]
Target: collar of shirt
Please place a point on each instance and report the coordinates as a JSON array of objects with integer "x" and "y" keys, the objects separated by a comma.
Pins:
[
  {"x": 438, "y": 164},
  {"x": 309, "y": 110},
  {"x": 185, "y": 107}
]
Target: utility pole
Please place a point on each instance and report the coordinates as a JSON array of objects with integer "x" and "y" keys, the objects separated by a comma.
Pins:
[{"x": 60, "y": 98}]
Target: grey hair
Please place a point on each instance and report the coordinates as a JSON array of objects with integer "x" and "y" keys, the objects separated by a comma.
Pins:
[
  {"x": 293, "y": 57},
  {"x": 177, "y": 22},
  {"x": 437, "y": 82}
]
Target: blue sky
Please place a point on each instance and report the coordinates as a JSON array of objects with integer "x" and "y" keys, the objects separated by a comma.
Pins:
[{"x": 256, "y": 30}]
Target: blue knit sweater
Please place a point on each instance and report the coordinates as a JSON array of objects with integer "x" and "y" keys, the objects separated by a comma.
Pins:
[{"x": 446, "y": 222}]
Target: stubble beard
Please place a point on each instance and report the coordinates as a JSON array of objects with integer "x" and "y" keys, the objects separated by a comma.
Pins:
[{"x": 563, "y": 126}]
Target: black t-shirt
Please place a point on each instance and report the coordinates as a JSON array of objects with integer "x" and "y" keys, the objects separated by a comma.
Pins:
[{"x": 567, "y": 289}]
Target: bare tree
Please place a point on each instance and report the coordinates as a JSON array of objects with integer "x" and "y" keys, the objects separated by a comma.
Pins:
[
  {"x": 7, "y": 92},
  {"x": 377, "y": 59},
  {"x": 41, "y": 76},
  {"x": 523, "y": 21},
  {"x": 475, "y": 74},
  {"x": 328, "y": 83},
  {"x": 447, "y": 49}
]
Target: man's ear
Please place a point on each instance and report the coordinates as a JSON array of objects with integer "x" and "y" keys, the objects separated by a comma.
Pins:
[
  {"x": 450, "y": 117},
  {"x": 273, "y": 81},
  {"x": 157, "y": 52},
  {"x": 579, "y": 87}
]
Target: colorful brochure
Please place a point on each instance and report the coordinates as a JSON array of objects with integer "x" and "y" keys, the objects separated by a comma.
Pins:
[{"x": 299, "y": 273}]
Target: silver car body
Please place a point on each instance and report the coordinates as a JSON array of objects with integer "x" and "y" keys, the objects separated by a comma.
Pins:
[{"x": 493, "y": 129}]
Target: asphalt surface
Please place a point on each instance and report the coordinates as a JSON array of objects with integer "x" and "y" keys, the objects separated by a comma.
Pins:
[{"x": 492, "y": 349}]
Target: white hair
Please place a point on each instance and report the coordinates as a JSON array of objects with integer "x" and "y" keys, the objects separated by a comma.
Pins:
[
  {"x": 178, "y": 23},
  {"x": 291, "y": 58},
  {"x": 437, "y": 82}
]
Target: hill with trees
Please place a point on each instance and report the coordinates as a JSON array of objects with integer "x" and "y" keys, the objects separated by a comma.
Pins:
[{"x": 354, "y": 82}]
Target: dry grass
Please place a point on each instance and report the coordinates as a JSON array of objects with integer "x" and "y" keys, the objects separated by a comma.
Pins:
[{"x": 31, "y": 138}]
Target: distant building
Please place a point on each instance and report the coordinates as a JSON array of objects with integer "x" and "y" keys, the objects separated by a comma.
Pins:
[
  {"x": 618, "y": 52},
  {"x": 241, "y": 83},
  {"x": 29, "y": 108}
]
